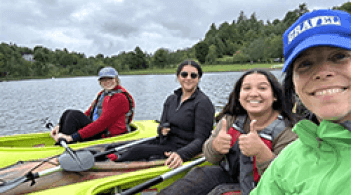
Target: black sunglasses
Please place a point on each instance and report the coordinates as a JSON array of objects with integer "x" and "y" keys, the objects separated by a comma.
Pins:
[{"x": 193, "y": 75}]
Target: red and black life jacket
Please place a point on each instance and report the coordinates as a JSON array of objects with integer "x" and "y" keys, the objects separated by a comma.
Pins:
[
  {"x": 243, "y": 169},
  {"x": 128, "y": 116}
]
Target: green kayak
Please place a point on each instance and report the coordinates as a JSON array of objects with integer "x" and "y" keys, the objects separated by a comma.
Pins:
[
  {"x": 118, "y": 183},
  {"x": 103, "y": 178},
  {"x": 53, "y": 176},
  {"x": 25, "y": 147}
]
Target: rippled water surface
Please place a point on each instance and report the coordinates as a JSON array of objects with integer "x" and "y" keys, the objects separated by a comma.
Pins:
[{"x": 25, "y": 105}]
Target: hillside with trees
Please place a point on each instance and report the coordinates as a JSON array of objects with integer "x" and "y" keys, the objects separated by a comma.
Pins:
[{"x": 246, "y": 39}]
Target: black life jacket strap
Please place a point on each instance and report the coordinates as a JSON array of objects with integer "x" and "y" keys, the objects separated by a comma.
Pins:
[{"x": 129, "y": 114}]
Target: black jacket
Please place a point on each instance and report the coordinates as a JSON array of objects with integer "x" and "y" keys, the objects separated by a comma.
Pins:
[{"x": 191, "y": 122}]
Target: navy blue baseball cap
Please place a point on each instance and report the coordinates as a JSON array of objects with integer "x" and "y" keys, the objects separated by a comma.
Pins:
[
  {"x": 317, "y": 28},
  {"x": 107, "y": 72}
]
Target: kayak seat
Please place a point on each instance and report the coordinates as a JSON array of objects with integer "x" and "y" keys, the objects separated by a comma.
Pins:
[{"x": 132, "y": 127}]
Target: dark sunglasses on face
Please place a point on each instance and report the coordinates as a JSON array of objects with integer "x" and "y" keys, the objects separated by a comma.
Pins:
[
  {"x": 193, "y": 75},
  {"x": 103, "y": 79}
]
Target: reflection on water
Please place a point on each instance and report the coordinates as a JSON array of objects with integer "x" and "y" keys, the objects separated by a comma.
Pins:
[{"x": 26, "y": 104}]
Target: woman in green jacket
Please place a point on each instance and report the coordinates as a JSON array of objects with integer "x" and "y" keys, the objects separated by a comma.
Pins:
[{"x": 317, "y": 50}]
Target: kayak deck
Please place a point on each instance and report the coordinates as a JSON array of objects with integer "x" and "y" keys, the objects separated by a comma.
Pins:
[
  {"x": 64, "y": 178},
  {"x": 44, "y": 139},
  {"x": 25, "y": 147},
  {"x": 108, "y": 185}
]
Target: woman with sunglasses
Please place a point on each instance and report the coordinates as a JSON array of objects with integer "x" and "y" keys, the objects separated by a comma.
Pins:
[
  {"x": 186, "y": 122},
  {"x": 252, "y": 130},
  {"x": 317, "y": 50},
  {"x": 109, "y": 114}
]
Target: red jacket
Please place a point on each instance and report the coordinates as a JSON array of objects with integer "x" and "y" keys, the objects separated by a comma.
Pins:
[{"x": 112, "y": 118}]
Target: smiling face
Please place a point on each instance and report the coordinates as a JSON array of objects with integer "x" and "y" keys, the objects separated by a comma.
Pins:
[
  {"x": 188, "y": 83},
  {"x": 256, "y": 95},
  {"x": 322, "y": 79},
  {"x": 108, "y": 83}
]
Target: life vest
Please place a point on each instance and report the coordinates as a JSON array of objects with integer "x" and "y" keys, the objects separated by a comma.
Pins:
[
  {"x": 243, "y": 169},
  {"x": 128, "y": 116}
]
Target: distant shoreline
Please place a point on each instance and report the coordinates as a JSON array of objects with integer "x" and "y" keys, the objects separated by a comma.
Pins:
[{"x": 205, "y": 68}]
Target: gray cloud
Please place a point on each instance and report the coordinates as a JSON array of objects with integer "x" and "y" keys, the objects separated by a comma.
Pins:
[{"x": 112, "y": 26}]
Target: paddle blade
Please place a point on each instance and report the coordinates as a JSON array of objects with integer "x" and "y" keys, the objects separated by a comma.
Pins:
[
  {"x": 6, "y": 186},
  {"x": 81, "y": 161}
]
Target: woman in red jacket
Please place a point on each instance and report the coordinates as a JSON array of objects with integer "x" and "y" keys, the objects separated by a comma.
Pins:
[{"x": 109, "y": 115}]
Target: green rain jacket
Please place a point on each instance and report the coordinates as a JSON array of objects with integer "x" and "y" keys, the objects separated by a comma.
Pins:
[{"x": 319, "y": 162}]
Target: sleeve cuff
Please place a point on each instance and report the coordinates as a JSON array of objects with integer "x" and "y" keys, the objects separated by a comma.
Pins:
[
  {"x": 76, "y": 137},
  {"x": 261, "y": 167}
]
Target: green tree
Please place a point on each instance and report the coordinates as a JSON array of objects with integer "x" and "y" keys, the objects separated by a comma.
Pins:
[
  {"x": 99, "y": 56},
  {"x": 250, "y": 36},
  {"x": 211, "y": 34},
  {"x": 201, "y": 51},
  {"x": 160, "y": 58},
  {"x": 275, "y": 47},
  {"x": 256, "y": 49},
  {"x": 40, "y": 65},
  {"x": 66, "y": 60},
  {"x": 212, "y": 55},
  {"x": 240, "y": 57},
  {"x": 221, "y": 47},
  {"x": 292, "y": 16},
  {"x": 130, "y": 60},
  {"x": 140, "y": 58},
  {"x": 345, "y": 7}
]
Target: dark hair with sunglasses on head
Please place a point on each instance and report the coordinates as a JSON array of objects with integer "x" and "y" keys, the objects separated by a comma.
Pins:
[{"x": 186, "y": 122}]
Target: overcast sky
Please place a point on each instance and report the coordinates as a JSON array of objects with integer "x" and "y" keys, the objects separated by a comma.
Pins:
[{"x": 112, "y": 26}]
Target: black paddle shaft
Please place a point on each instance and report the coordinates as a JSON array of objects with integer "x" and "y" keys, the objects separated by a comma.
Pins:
[
  {"x": 6, "y": 186},
  {"x": 143, "y": 186},
  {"x": 117, "y": 149},
  {"x": 163, "y": 177}
]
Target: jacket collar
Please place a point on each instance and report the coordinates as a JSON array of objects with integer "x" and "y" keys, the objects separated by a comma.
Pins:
[
  {"x": 267, "y": 132},
  {"x": 179, "y": 93},
  {"x": 326, "y": 136},
  {"x": 116, "y": 88}
]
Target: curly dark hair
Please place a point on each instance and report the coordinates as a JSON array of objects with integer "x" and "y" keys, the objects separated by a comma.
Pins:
[{"x": 233, "y": 107}]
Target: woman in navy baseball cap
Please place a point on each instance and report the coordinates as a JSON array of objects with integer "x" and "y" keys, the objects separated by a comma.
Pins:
[{"x": 317, "y": 50}]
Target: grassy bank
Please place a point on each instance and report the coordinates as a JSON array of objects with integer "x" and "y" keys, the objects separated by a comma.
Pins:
[
  {"x": 205, "y": 68},
  {"x": 30, "y": 77}
]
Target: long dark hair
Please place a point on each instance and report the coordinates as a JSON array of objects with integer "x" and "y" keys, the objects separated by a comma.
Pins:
[
  {"x": 234, "y": 108},
  {"x": 289, "y": 89},
  {"x": 291, "y": 98}
]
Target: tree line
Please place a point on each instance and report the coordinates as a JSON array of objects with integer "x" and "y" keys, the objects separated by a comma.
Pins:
[{"x": 241, "y": 41}]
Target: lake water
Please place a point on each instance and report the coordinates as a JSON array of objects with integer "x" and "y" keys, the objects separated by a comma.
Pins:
[{"x": 27, "y": 105}]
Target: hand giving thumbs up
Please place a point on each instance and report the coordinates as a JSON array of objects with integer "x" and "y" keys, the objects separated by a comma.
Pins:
[
  {"x": 250, "y": 144},
  {"x": 221, "y": 143}
]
